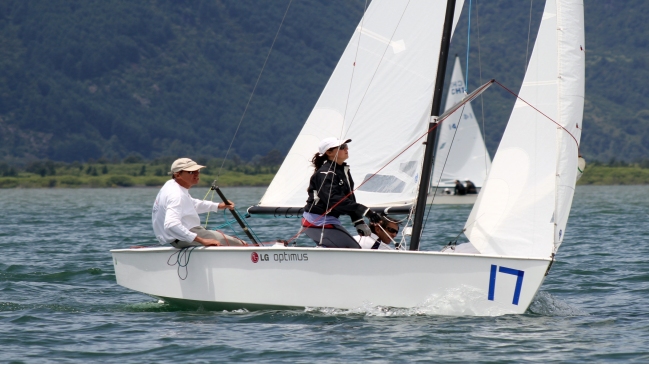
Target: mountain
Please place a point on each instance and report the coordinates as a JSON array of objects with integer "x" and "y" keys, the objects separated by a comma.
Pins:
[
  {"x": 616, "y": 116},
  {"x": 84, "y": 79}
]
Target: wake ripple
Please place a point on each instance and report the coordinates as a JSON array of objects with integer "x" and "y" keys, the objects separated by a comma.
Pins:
[
  {"x": 463, "y": 301},
  {"x": 547, "y": 305}
]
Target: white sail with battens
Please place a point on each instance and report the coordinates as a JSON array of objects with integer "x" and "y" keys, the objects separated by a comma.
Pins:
[
  {"x": 524, "y": 205},
  {"x": 380, "y": 96},
  {"x": 461, "y": 152}
]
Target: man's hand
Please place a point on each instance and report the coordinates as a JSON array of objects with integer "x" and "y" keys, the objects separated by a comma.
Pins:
[
  {"x": 373, "y": 216},
  {"x": 228, "y": 206},
  {"x": 207, "y": 241}
]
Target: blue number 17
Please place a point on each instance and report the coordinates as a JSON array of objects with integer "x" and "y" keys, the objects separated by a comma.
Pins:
[{"x": 519, "y": 281}]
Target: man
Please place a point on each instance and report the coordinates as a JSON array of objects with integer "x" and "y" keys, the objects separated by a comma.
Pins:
[
  {"x": 175, "y": 212},
  {"x": 382, "y": 235},
  {"x": 459, "y": 188},
  {"x": 470, "y": 187}
]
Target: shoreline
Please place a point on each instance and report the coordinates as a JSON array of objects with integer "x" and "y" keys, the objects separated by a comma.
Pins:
[
  {"x": 125, "y": 181},
  {"x": 593, "y": 175}
]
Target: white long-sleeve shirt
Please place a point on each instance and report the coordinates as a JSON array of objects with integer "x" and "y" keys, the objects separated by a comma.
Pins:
[
  {"x": 367, "y": 242},
  {"x": 175, "y": 212}
]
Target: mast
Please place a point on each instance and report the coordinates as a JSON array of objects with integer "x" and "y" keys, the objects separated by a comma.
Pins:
[{"x": 430, "y": 141}]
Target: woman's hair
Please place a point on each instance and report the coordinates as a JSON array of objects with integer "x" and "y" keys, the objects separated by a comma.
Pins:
[{"x": 318, "y": 160}]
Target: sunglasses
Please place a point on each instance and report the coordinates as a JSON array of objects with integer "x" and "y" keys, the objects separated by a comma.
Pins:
[
  {"x": 193, "y": 172},
  {"x": 342, "y": 147},
  {"x": 392, "y": 230}
]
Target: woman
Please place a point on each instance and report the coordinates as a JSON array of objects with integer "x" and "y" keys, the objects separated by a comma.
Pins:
[{"x": 330, "y": 196}]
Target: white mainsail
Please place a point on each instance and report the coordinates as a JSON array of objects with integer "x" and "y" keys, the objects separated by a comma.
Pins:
[
  {"x": 380, "y": 96},
  {"x": 461, "y": 152},
  {"x": 524, "y": 205}
]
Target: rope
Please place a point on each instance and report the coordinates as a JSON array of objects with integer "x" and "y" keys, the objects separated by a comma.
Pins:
[
  {"x": 529, "y": 31},
  {"x": 377, "y": 67},
  {"x": 349, "y": 90},
  {"x": 540, "y": 112},
  {"x": 207, "y": 218},
  {"x": 228, "y": 223},
  {"x": 182, "y": 260},
  {"x": 443, "y": 167},
  {"x": 484, "y": 136},
  {"x": 253, "y": 91}
]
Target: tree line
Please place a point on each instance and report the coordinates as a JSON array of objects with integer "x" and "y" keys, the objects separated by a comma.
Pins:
[{"x": 83, "y": 80}]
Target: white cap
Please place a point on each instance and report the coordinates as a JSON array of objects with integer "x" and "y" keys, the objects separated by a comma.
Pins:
[
  {"x": 330, "y": 142},
  {"x": 184, "y": 164}
]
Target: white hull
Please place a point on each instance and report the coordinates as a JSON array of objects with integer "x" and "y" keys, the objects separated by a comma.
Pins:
[
  {"x": 442, "y": 199},
  {"x": 230, "y": 278}
]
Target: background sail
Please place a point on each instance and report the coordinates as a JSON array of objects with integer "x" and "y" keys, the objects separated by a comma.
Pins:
[
  {"x": 524, "y": 205},
  {"x": 380, "y": 96},
  {"x": 461, "y": 152}
]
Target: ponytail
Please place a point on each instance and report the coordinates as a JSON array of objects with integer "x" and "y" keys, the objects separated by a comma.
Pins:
[{"x": 318, "y": 160}]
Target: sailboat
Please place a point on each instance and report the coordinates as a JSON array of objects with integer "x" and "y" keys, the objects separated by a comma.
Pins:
[
  {"x": 382, "y": 94},
  {"x": 461, "y": 151}
]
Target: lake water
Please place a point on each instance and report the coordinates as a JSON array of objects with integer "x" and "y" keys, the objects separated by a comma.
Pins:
[{"x": 59, "y": 301}]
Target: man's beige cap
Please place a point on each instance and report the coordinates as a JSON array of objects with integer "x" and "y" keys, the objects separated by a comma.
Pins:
[{"x": 185, "y": 164}]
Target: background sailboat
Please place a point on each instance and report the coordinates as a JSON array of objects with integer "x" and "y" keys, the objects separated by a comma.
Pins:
[
  {"x": 461, "y": 153},
  {"x": 516, "y": 225}
]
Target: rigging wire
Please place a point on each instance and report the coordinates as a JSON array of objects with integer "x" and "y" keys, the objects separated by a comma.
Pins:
[
  {"x": 245, "y": 110},
  {"x": 379, "y": 64},
  {"x": 484, "y": 135},
  {"x": 368, "y": 179},
  {"x": 228, "y": 223},
  {"x": 540, "y": 112},
  {"x": 468, "y": 47},
  {"x": 529, "y": 31},
  {"x": 461, "y": 105},
  {"x": 253, "y": 91},
  {"x": 351, "y": 80},
  {"x": 342, "y": 130},
  {"x": 443, "y": 167}
]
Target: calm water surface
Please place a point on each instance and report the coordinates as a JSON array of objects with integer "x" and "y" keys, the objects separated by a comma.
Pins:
[{"x": 59, "y": 301}]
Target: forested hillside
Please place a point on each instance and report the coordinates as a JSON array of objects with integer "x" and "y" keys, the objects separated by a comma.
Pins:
[{"x": 85, "y": 79}]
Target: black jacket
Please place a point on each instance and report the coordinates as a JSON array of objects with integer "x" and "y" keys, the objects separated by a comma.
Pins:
[{"x": 328, "y": 186}]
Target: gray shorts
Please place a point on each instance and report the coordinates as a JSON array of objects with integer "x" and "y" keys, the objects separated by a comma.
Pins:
[
  {"x": 336, "y": 237},
  {"x": 201, "y": 232}
]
